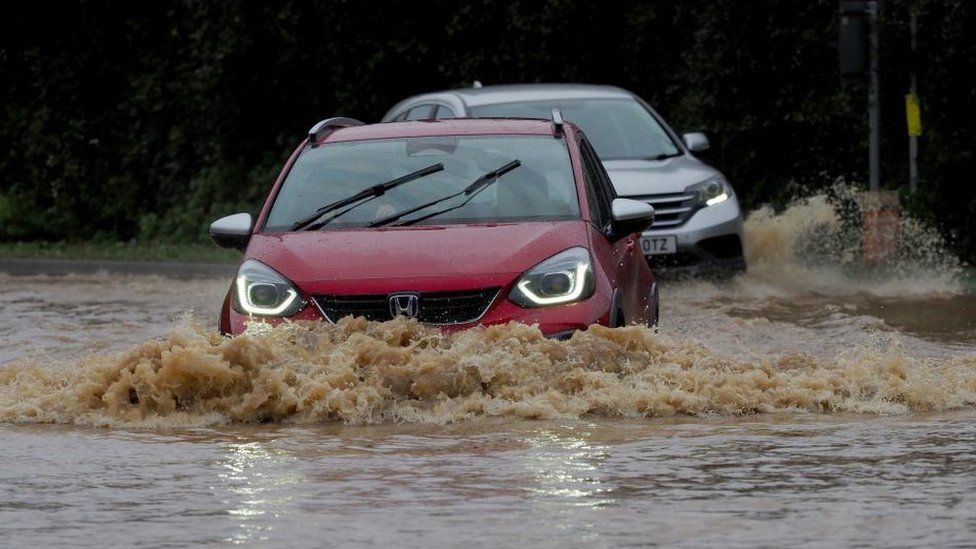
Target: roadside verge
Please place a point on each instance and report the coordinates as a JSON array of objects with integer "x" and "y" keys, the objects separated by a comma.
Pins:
[{"x": 168, "y": 269}]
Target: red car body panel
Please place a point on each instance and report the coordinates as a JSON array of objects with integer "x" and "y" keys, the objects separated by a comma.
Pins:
[
  {"x": 424, "y": 258},
  {"x": 451, "y": 257}
]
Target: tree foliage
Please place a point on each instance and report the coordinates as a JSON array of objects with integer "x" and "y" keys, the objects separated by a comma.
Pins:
[{"x": 145, "y": 120}]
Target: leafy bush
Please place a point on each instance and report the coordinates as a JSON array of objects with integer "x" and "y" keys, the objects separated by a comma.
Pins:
[{"x": 146, "y": 120}]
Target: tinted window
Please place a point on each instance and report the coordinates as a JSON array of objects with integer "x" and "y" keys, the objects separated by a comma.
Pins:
[
  {"x": 421, "y": 112},
  {"x": 595, "y": 190},
  {"x": 542, "y": 188},
  {"x": 618, "y": 128},
  {"x": 601, "y": 173},
  {"x": 444, "y": 112}
]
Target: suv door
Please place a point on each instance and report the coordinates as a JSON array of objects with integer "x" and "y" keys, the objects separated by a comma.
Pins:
[{"x": 620, "y": 258}]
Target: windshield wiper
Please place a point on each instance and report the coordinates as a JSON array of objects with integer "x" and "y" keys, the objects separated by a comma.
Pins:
[
  {"x": 470, "y": 191},
  {"x": 361, "y": 198}
]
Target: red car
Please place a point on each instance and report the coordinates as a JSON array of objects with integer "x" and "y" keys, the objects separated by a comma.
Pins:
[{"x": 456, "y": 223}]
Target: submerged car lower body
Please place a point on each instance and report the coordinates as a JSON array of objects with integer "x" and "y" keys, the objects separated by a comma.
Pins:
[{"x": 449, "y": 310}]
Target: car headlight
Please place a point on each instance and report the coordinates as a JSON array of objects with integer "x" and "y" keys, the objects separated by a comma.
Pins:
[
  {"x": 262, "y": 291},
  {"x": 711, "y": 192},
  {"x": 563, "y": 278}
]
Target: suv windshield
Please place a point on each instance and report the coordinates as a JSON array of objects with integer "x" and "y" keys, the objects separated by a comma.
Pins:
[
  {"x": 541, "y": 189},
  {"x": 618, "y": 128}
]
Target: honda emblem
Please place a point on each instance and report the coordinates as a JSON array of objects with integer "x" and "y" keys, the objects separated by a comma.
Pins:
[{"x": 405, "y": 305}]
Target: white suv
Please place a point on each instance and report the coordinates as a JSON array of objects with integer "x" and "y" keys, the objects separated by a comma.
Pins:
[{"x": 698, "y": 223}]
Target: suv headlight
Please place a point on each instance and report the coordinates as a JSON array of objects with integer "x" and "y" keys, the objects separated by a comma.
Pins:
[
  {"x": 711, "y": 192},
  {"x": 563, "y": 278},
  {"x": 261, "y": 291}
]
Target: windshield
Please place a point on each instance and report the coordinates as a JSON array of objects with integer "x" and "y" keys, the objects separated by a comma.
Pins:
[
  {"x": 618, "y": 128},
  {"x": 541, "y": 189}
]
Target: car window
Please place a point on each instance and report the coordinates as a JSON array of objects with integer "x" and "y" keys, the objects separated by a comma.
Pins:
[
  {"x": 421, "y": 112},
  {"x": 444, "y": 112},
  {"x": 542, "y": 188},
  {"x": 601, "y": 173},
  {"x": 619, "y": 128},
  {"x": 595, "y": 191}
]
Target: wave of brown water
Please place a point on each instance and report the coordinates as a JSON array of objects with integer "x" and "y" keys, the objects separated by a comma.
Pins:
[{"x": 360, "y": 372}]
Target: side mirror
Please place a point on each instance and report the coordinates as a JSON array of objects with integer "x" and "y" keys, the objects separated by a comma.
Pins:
[
  {"x": 696, "y": 142},
  {"x": 630, "y": 216},
  {"x": 233, "y": 231}
]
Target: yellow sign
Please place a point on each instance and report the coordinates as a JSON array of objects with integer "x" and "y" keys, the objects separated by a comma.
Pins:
[{"x": 914, "y": 115}]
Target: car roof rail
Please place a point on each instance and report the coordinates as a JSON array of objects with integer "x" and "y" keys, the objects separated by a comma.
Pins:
[
  {"x": 318, "y": 130},
  {"x": 557, "y": 123}
]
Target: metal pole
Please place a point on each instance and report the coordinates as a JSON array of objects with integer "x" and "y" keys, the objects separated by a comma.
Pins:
[
  {"x": 874, "y": 110},
  {"x": 913, "y": 139}
]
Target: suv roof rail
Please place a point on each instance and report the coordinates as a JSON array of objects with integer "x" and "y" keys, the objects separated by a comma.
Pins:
[
  {"x": 318, "y": 130},
  {"x": 557, "y": 122}
]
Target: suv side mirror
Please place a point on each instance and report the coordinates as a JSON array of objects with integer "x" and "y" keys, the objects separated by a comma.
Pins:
[
  {"x": 233, "y": 231},
  {"x": 630, "y": 216},
  {"x": 696, "y": 142}
]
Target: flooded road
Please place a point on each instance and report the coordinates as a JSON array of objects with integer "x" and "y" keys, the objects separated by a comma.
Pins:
[
  {"x": 771, "y": 481},
  {"x": 797, "y": 404}
]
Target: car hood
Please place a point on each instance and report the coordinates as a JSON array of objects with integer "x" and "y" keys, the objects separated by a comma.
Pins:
[
  {"x": 644, "y": 177},
  {"x": 432, "y": 258}
]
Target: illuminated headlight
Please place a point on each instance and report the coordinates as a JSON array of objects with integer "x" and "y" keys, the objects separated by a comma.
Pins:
[
  {"x": 261, "y": 291},
  {"x": 711, "y": 192},
  {"x": 563, "y": 278}
]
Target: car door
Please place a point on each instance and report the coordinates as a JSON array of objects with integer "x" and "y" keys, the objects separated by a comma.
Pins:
[{"x": 619, "y": 257}]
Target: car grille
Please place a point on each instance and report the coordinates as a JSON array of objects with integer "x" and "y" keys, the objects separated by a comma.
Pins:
[
  {"x": 434, "y": 307},
  {"x": 670, "y": 209}
]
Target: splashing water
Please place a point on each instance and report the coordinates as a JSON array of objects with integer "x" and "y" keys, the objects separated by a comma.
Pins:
[
  {"x": 814, "y": 246},
  {"x": 362, "y": 372}
]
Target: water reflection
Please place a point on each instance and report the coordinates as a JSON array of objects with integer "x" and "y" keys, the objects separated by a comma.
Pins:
[
  {"x": 569, "y": 485},
  {"x": 566, "y": 466},
  {"x": 259, "y": 481}
]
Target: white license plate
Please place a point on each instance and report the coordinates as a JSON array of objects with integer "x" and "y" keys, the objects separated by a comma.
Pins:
[{"x": 657, "y": 245}]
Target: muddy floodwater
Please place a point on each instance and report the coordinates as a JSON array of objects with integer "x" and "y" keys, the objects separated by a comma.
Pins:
[{"x": 797, "y": 404}]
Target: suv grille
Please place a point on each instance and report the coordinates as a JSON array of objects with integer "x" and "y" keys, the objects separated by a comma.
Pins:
[
  {"x": 670, "y": 209},
  {"x": 434, "y": 307}
]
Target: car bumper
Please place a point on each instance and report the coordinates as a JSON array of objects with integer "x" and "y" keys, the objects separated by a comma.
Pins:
[
  {"x": 558, "y": 322},
  {"x": 710, "y": 242}
]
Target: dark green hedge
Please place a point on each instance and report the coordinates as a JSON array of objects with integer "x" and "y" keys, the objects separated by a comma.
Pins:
[{"x": 145, "y": 120}]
